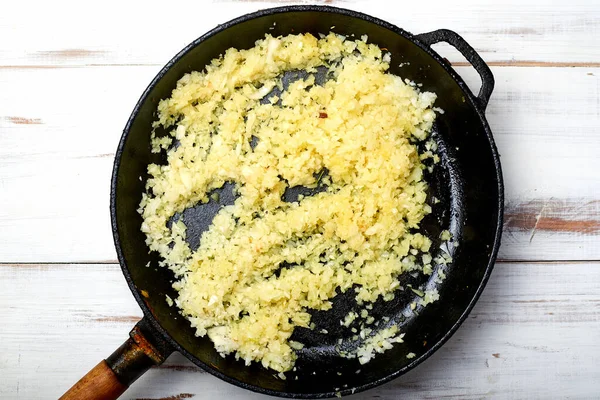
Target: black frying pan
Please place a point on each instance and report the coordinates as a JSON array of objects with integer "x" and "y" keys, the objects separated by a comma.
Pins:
[{"x": 468, "y": 184}]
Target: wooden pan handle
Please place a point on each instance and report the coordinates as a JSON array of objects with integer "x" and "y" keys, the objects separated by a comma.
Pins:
[
  {"x": 111, "y": 377},
  {"x": 100, "y": 383}
]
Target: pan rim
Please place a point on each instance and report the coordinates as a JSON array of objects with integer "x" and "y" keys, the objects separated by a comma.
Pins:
[{"x": 470, "y": 98}]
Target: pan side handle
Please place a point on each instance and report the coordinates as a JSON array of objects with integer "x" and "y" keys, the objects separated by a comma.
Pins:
[
  {"x": 460, "y": 44},
  {"x": 111, "y": 377}
]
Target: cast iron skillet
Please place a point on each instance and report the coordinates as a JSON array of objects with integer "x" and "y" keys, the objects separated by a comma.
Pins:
[{"x": 468, "y": 184}]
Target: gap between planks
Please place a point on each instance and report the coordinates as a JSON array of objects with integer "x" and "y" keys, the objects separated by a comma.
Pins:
[{"x": 508, "y": 63}]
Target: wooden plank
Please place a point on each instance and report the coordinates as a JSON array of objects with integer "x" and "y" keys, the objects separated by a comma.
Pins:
[
  {"x": 548, "y": 141},
  {"x": 57, "y": 148},
  {"x": 55, "y": 174},
  {"x": 503, "y": 32},
  {"x": 533, "y": 334}
]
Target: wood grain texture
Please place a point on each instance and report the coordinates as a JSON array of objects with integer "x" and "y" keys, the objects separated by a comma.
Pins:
[
  {"x": 24, "y": 121},
  {"x": 565, "y": 216},
  {"x": 56, "y": 159},
  {"x": 533, "y": 334},
  {"x": 100, "y": 383},
  {"x": 70, "y": 73},
  {"x": 535, "y": 31}
]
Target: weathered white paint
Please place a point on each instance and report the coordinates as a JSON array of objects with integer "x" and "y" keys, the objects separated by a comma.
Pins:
[
  {"x": 533, "y": 334},
  {"x": 58, "y": 141},
  {"x": 69, "y": 77},
  {"x": 117, "y": 32}
]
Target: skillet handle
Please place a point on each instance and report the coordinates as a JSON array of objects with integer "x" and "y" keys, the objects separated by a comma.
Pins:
[
  {"x": 460, "y": 44},
  {"x": 111, "y": 377}
]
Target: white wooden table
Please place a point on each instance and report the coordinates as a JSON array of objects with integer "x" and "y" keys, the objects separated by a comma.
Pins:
[{"x": 70, "y": 74}]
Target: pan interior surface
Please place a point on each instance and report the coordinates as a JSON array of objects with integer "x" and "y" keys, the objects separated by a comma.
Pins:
[{"x": 466, "y": 183}]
